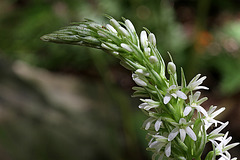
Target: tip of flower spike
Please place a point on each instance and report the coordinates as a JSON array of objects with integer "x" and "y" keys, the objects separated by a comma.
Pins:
[{"x": 45, "y": 38}]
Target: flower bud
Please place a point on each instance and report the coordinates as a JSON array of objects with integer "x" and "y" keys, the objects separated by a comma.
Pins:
[
  {"x": 115, "y": 53},
  {"x": 111, "y": 29},
  {"x": 130, "y": 25},
  {"x": 123, "y": 32},
  {"x": 152, "y": 39},
  {"x": 147, "y": 51},
  {"x": 105, "y": 46},
  {"x": 139, "y": 80},
  {"x": 100, "y": 33},
  {"x": 141, "y": 72},
  {"x": 153, "y": 59},
  {"x": 126, "y": 47},
  {"x": 114, "y": 23},
  {"x": 171, "y": 68},
  {"x": 144, "y": 39}
]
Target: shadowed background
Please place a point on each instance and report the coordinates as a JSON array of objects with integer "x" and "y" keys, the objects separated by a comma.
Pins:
[{"x": 62, "y": 102}]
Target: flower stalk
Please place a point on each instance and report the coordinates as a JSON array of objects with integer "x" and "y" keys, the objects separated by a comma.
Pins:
[{"x": 177, "y": 124}]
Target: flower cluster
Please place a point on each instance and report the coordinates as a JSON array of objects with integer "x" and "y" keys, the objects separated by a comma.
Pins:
[{"x": 177, "y": 124}]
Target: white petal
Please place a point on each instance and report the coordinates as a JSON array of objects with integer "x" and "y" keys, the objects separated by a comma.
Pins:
[
  {"x": 143, "y": 105},
  {"x": 195, "y": 78},
  {"x": 219, "y": 129},
  {"x": 212, "y": 109},
  {"x": 217, "y": 112},
  {"x": 191, "y": 133},
  {"x": 196, "y": 96},
  {"x": 201, "y": 109},
  {"x": 173, "y": 134},
  {"x": 200, "y": 81},
  {"x": 174, "y": 95},
  {"x": 182, "y": 95},
  {"x": 172, "y": 87},
  {"x": 153, "y": 144},
  {"x": 167, "y": 98},
  {"x": 182, "y": 134},
  {"x": 168, "y": 149},
  {"x": 147, "y": 123},
  {"x": 187, "y": 110},
  {"x": 201, "y": 87},
  {"x": 147, "y": 108},
  {"x": 158, "y": 124}
]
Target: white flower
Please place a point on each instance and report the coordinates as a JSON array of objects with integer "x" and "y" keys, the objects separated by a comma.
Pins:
[
  {"x": 209, "y": 119},
  {"x": 159, "y": 143},
  {"x": 196, "y": 82},
  {"x": 195, "y": 103},
  {"x": 173, "y": 91},
  {"x": 183, "y": 129},
  {"x": 222, "y": 147},
  {"x": 148, "y": 104},
  {"x": 147, "y": 123}
]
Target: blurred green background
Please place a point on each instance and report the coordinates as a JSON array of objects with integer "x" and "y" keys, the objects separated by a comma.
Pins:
[{"x": 62, "y": 102}]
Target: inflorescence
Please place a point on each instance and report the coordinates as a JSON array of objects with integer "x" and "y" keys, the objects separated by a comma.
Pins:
[{"x": 177, "y": 124}]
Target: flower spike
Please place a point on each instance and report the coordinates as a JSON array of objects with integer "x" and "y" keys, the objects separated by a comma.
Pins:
[{"x": 177, "y": 123}]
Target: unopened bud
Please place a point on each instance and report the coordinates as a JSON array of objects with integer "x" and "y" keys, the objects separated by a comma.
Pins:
[
  {"x": 115, "y": 53},
  {"x": 142, "y": 72},
  {"x": 111, "y": 29},
  {"x": 130, "y": 25},
  {"x": 171, "y": 68},
  {"x": 153, "y": 59},
  {"x": 152, "y": 39},
  {"x": 105, "y": 46},
  {"x": 147, "y": 51},
  {"x": 114, "y": 23},
  {"x": 100, "y": 33},
  {"x": 123, "y": 31},
  {"x": 126, "y": 47},
  {"x": 141, "y": 81},
  {"x": 144, "y": 39}
]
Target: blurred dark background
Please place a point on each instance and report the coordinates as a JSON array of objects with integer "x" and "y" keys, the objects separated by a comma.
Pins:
[{"x": 62, "y": 102}]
